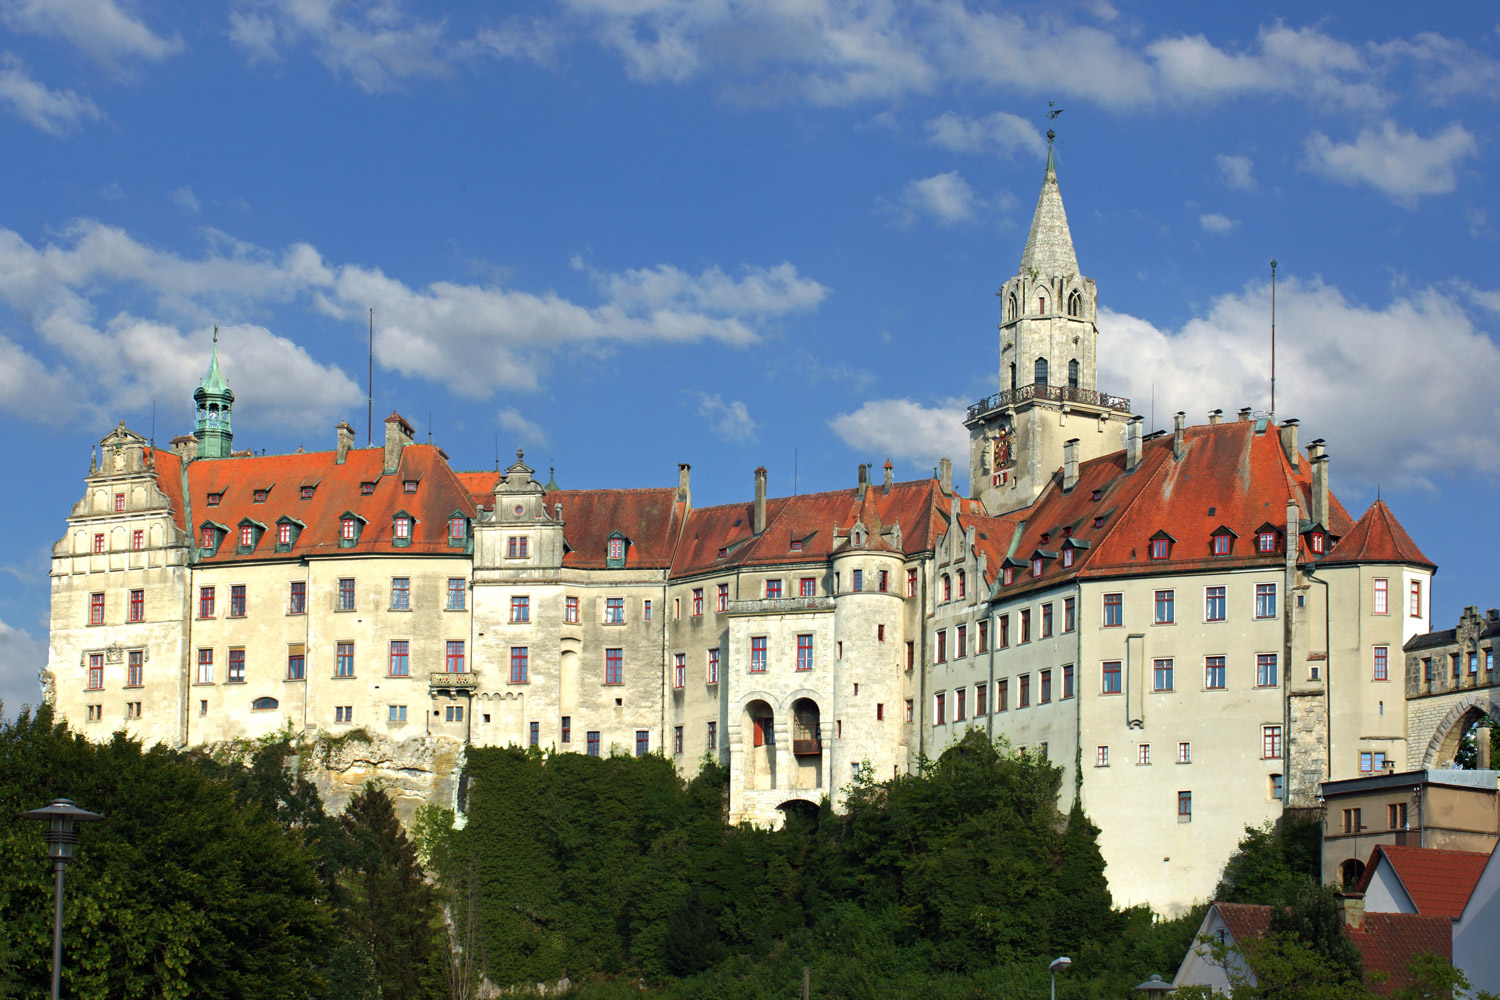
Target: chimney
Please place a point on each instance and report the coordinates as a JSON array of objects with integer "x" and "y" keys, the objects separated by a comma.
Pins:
[
  {"x": 1070, "y": 463},
  {"x": 1482, "y": 747},
  {"x": 760, "y": 499},
  {"x": 864, "y": 481},
  {"x": 1133, "y": 442},
  {"x": 346, "y": 440},
  {"x": 1179, "y": 425},
  {"x": 1352, "y": 909},
  {"x": 945, "y": 474},
  {"x": 1215, "y": 416},
  {"x": 1319, "y": 512},
  {"x": 185, "y": 446},
  {"x": 1289, "y": 441},
  {"x": 1314, "y": 449},
  {"x": 1244, "y": 414},
  {"x": 398, "y": 434},
  {"x": 890, "y": 474},
  {"x": 684, "y": 494}
]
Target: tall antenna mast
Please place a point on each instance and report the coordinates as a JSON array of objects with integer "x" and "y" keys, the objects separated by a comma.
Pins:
[
  {"x": 370, "y": 415},
  {"x": 1273, "y": 339}
]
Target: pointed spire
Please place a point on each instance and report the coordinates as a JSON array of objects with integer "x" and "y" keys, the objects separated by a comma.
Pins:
[
  {"x": 1049, "y": 245},
  {"x": 552, "y": 486}
]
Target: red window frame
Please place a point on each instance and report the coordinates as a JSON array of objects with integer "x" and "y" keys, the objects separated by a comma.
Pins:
[
  {"x": 205, "y": 602},
  {"x": 1382, "y": 663},
  {"x": 805, "y": 652},
  {"x": 1382, "y": 596},
  {"x": 773, "y": 590},
  {"x": 1160, "y": 548},
  {"x": 137, "y": 539},
  {"x": 348, "y": 529},
  {"x": 807, "y": 587},
  {"x": 697, "y": 602},
  {"x": 284, "y": 533},
  {"x": 570, "y": 610},
  {"x": 237, "y": 600},
  {"x": 1270, "y": 742},
  {"x": 940, "y": 648},
  {"x": 911, "y": 583},
  {"x": 96, "y": 671},
  {"x": 1109, "y": 682},
  {"x": 247, "y": 536},
  {"x": 679, "y": 671},
  {"x": 400, "y": 658},
  {"x": 713, "y": 664},
  {"x": 402, "y": 528},
  {"x": 457, "y": 529},
  {"x": 453, "y": 656},
  {"x": 757, "y": 654},
  {"x": 723, "y": 604},
  {"x": 520, "y": 609},
  {"x": 135, "y": 669},
  {"x": 520, "y": 664},
  {"x": 96, "y": 609},
  {"x": 960, "y": 642},
  {"x": 296, "y": 603},
  {"x": 98, "y": 542},
  {"x": 614, "y": 666},
  {"x": 119, "y": 502},
  {"x": 1221, "y": 545},
  {"x": 344, "y": 660}
]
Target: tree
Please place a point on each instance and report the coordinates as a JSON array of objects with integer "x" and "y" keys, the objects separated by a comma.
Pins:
[{"x": 1273, "y": 863}]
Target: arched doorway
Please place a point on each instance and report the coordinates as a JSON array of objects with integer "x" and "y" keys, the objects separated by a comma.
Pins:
[
  {"x": 760, "y": 756},
  {"x": 1447, "y": 742},
  {"x": 807, "y": 744},
  {"x": 1350, "y": 872}
]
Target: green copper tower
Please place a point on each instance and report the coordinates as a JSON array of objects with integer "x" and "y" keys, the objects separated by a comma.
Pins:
[{"x": 214, "y": 399}]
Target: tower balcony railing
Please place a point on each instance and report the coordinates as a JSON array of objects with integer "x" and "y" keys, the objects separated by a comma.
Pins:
[
  {"x": 465, "y": 681},
  {"x": 779, "y": 605},
  {"x": 1054, "y": 393}
]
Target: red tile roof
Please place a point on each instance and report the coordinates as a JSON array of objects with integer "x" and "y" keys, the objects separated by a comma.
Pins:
[
  {"x": 649, "y": 519},
  {"x": 1379, "y": 538},
  {"x": 169, "y": 480},
  {"x": 1438, "y": 882}
]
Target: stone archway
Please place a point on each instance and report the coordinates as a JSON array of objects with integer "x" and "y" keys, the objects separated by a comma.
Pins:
[{"x": 1443, "y": 746}]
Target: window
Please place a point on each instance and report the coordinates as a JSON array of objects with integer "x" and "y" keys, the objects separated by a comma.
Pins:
[
  {"x": 409, "y": 486},
  {"x": 1427, "y": 669},
  {"x": 456, "y": 589},
  {"x": 963, "y": 583},
  {"x": 135, "y": 669},
  {"x": 1352, "y": 822},
  {"x": 804, "y": 652},
  {"x": 570, "y": 610},
  {"x": 458, "y": 530},
  {"x": 1002, "y": 695},
  {"x": 1025, "y": 625},
  {"x": 1221, "y": 545},
  {"x": 960, "y": 641},
  {"x": 885, "y": 581},
  {"x": 96, "y": 669},
  {"x": 910, "y": 710},
  {"x": 1453, "y": 659},
  {"x": 614, "y": 666},
  {"x": 1070, "y": 614},
  {"x": 1184, "y": 753},
  {"x": 1161, "y": 675},
  {"x": 676, "y": 739},
  {"x": 1023, "y": 691},
  {"x": 1265, "y": 670},
  {"x": 711, "y": 740},
  {"x": 520, "y": 609},
  {"x": 396, "y": 713},
  {"x": 1101, "y": 757},
  {"x": 344, "y": 660},
  {"x": 1213, "y": 672},
  {"x": 983, "y": 638},
  {"x": 697, "y": 601},
  {"x": 1160, "y": 548},
  {"x": 1489, "y": 660},
  {"x": 1416, "y": 599},
  {"x": 911, "y": 583},
  {"x": 284, "y": 531},
  {"x": 960, "y": 704},
  {"x": 517, "y": 546},
  {"x": 237, "y": 600},
  {"x": 616, "y": 549},
  {"x": 1008, "y": 575},
  {"x": 858, "y": 581},
  {"x": 453, "y": 713},
  {"x": 911, "y": 653},
  {"x": 205, "y": 602},
  {"x": 1213, "y": 604},
  {"x": 1382, "y": 597},
  {"x": 947, "y": 587},
  {"x": 343, "y": 713},
  {"x": 567, "y": 730},
  {"x": 400, "y": 665},
  {"x": 348, "y": 530},
  {"x": 880, "y": 707},
  {"x": 236, "y": 666},
  {"x": 138, "y": 539},
  {"x": 453, "y": 657},
  {"x": 1067, "y": 557},
  {"x": 296, "y": 663},
  {"x": 520, "y": 664},
  {"x": 1382, "y": 653},
  {"x": 1265, "y": 541},
  {"x": 210, "y": 539},
  {"x": 1371, "y": 762},
  {"x": 1114, "y": 610},
  {"x": 1036, "y": 566},
  {"x": 1067, "y": 681},
  {"x": 400, "y": 529},
  {"x": 723, "y": 598},
  {"x": 713, "y": 665},
  {"x": 758, "y": 654},
  {"x": 1395, "y": 815},
  {"x": 1270, "y": 742},
  {"x": 1473, "y": 663},
  {"x": 940, "y": 649},
  {"x": 1166, "y": 607},
  {"x": 96, "y": 609},
  {"x": 1143, "y": 754},
  {"x": 296, "y": 598},
  {"x": 119, "y": 502},
  {"x": 614, "y": 610},
  {"x": 642, "y": 742},
  {"x": 592, "y": 739},
  {"x": 1265, "y": 600},
  {"x": 205, "y": 665},
  {"x": 367, "y": 488},
  {"x": 1046, "y": 687},
  {"x": 1046, "y": 620},
  {"x": 940, "y": 708},
  {"x": 345, "y": 594},
  {"x": 1004, "y": 642},
  {"x": 981, "y": 700},
  {"x": 1184, "y": 807},
  {"x": 247, "y": 537},
  {"x": 773, "y": 590},
  {"x": 1111, "y": 677},
  {"x": 679, "y": 671},
  {"x": 307, "y": 492}
]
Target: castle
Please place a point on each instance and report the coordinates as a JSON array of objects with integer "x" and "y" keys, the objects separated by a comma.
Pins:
[{"x": 1190, "y": 624}]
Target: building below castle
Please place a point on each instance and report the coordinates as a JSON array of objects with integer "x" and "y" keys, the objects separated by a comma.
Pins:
[{"x": 1190, "y": 624}]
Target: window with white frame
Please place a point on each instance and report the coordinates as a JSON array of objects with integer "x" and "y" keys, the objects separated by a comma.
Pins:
[
  {"x": 1270, "y": 742},
  {"x": 1101, "y": 757},
  {"x": 1382, "y": 605},
  {"x": 1184, "y": 753}
]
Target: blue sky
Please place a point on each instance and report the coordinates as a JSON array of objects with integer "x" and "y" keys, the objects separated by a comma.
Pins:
[{"x": 624, "y": 234}]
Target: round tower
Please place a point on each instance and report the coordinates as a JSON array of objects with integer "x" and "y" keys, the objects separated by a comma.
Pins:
[{"x": 214, "y": 400}]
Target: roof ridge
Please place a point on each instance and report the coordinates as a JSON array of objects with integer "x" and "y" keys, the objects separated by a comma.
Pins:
[{"x": 1129, "y": 506}]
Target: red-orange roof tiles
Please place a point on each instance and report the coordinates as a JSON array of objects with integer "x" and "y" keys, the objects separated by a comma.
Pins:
[
  {"x": 1438, "y": 882},
  {"x": 649, "y": 519},
  {"x": 169, "y": 480},
  {"x": 1378, "y": 537}
]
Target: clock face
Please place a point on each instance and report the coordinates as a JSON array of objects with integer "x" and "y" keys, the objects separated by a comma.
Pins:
[{"x": 520, "y": 509}]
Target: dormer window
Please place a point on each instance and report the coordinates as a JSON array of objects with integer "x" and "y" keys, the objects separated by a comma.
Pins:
[
  {"x": 723, "y": 553},
  {"x": 351, "y": 525},
  {"x": 287, "y": 530},
  {"x": 366, "y": 488},
  {"x": 796, "y": 545},
  {"x": 614, "y": 551},
  {"x": 259, "y": 496},
  {"x": 1096, "y": 496},
  {"x": 284, "y": 533},
  {"x": 1036, "y": 566},
  {"x": 1161, "y": 545},
  {"x": 1098, "y": 522},
  {"x": 307, "y": 492},
  {"x": 458, "y": 530},
  {"x": 210, "y": 539},
  {"x": 1008, "y": 575},
  {"x": 408, "y": 486},
  {"x": 1222, "y": 543},
  {"x": 214, "y": 498},
  {"x": 401, "y": 529},
  {"x": 1067, "y": 557},
  {"x": 1046, "y": 537},
  {"x": 247, "y": 537},
  {"x": 1315, "y": 542},
  {"x": 1265, "y": 539}
]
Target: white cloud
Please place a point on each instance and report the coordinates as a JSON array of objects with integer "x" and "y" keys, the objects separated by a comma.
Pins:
[
  {"x": 1001, "y": 131},
  {"x": 906, "y": 429},
  {"x": 101, "y": 28},
  {"x": 1300, "y": 62},
  {"x": 1334, "y": 372},
  {"x": 528, "y": 431},
  {"x": 1447, "y": 68},
  {"x": 376, "y": 44},
  {"x": 56, "y": 112},
  {"x": 1213, "y": 222},
  {"x": 184, "y": 199},
  {"x": 727, "y": 419},
  {"x": 1401, "y": 164},
  {"x": 947, "y": 198},
  {"x": 1238, "y": 171},
  {"x": 21, "y": 660}
]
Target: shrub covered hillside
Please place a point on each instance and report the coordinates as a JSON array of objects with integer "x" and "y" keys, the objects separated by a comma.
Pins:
[{"x": 963, "y": 881}]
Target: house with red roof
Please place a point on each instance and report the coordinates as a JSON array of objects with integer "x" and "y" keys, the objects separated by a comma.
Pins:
[{"x": 1420, "y": 880}]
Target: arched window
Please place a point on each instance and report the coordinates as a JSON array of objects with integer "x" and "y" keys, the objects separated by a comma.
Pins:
[
  {"x": 1011, "y": 307},
  {"x": 947, "y": 588},
  {"x": 263, "y": 705},
  {"x": 1075, "y": 304},
  {"x": 1073, "y": 374},
  {"x": 1041, "y": 305},
  {"x": 1012, "y": 376},
  {"x": 1039, "y": 373}
]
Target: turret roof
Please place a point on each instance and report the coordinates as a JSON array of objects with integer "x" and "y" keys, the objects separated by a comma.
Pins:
[
  {"x": 213, "y": 383},
  {"x": 1049, "y": 245}
]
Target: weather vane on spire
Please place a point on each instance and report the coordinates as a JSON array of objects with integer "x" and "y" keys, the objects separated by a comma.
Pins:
[
  {"x": 216, "y": 333},
  {"x": 1052, "y": 112}
]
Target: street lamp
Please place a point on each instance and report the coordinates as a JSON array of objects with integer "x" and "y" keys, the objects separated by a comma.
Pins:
[
  {"x": 1155, "y": 988},
  {"x": 1058, "y": 965},
  {"x": 62, "y": 818}
]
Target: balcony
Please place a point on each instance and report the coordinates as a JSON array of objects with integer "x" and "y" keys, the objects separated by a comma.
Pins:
[
  {"x": 1055, "y": 393},
  {"x": 779, "y": 606},
  {"x": 456, "y": 682},
  {"x": 807, "y": 748}
]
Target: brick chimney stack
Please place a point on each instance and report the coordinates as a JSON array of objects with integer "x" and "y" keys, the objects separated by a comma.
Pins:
[
  {"x": 1070, "y": 463},
  {"x": 760, "y": 500},
  {"x": 1179, "y": 427},
  {"x": 890, "y": 475},
  {"x": 945, "y": 474},
  {"x": 398, "y": 434},
  {"x": 1133, "y": 442},
  {"x": 1215, "y": 416},
  {"x": 1289, "y": 441},
  {"x": 684, "y": 494},
  {"x": 346, "y": 441}
]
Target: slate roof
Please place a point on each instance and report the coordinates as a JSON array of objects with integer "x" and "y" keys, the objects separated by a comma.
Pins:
[
  {"x": 1438, "y": 882},
  {"x": 1378, "y": 537}
]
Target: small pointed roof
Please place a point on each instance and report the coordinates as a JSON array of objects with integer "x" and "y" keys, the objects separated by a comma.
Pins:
[
  {"x": 213, "y": 383},
  {"x": 1049, "y": 245},
  {"x": 1378, "y": 537}
]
